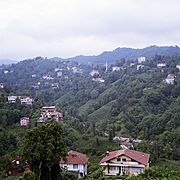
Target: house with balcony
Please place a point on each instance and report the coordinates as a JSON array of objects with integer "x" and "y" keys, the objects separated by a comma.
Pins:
[
  {"x": 49, "y": 112},
  {"x": 26, "y": 100},
  {"x": 124, "y": 162},
  {"x": 76, "y": 162}
]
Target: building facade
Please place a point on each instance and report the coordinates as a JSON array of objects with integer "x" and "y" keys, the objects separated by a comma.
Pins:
[
  {"x": 125, "y": 162},
  {"x": 24, "y": 121},
  {"x": 76, "y": 162}
]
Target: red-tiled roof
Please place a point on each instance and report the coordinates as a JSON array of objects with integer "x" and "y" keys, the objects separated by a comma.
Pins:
[
  {"x": 138, "y": 156},
  {"x": 74, "y": 157}
]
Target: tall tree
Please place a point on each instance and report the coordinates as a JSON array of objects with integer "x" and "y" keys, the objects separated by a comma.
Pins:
[{"x": 43, "y": 148}]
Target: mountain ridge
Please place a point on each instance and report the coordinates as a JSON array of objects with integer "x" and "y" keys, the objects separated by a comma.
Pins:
[
  {"x": 126, "y": 53},
  {"x": 117, "y": 54}
]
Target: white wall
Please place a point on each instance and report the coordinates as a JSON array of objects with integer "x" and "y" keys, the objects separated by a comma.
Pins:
[{"x": 82, "y": 168}]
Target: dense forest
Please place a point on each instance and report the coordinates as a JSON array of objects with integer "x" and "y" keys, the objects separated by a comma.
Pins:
[{"x": 131, "y": 102}]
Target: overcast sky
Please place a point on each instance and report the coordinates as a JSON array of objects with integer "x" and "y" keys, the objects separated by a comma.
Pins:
[{"x": 66, "y": 28}]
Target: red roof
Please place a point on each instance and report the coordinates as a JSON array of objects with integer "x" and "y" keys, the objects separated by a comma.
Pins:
[
  {"x": 74, "y": 157},
  {"x": 138, "y": 156}
]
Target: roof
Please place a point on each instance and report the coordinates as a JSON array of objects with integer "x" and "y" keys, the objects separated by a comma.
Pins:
[
  {"x": 48, "y": 107},
  {"x": 170, "y": 76},
  {"x": 24, "y": 118},
  {"x": 74, "y": 157},
  {"x": 138, "y": 156}
]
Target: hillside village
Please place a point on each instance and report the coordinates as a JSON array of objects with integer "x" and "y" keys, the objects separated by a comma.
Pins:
[
  {"x": 96, "y": 106},
  {"x": 50, "y": 78}
]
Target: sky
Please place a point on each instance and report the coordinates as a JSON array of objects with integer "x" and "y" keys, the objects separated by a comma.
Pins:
[{"x": 66, "y": 28}]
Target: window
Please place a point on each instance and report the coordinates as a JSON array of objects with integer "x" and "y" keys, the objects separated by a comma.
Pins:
[
  {"x": 124, "y": 159},
  {"x": 112, "y": 168},
  {"x": 75, "y": 166},
  {"x": 118, "y": 159}
]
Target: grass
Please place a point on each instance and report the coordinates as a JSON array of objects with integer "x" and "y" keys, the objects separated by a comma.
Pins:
[
  {"x": 170, "y": 164},
  {"x": 89, "y": 106},
  {"x": 102, "y": 113}
]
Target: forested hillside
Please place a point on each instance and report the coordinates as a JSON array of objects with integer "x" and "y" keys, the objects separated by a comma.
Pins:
[{"x": 130, "y": 102}]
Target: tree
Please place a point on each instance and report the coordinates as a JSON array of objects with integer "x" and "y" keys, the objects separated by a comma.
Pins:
[
  {"x": 43, "y": 148},
  {"x": 110, "y": 135}
]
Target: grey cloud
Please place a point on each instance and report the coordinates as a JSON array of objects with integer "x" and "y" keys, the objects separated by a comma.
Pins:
[{"x": 72, "y": 27}]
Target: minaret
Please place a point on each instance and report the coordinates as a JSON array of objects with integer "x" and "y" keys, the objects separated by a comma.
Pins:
[{"x": 106, "y": 67}]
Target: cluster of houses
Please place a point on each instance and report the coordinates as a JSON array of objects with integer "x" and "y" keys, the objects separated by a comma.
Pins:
[
  {"x": 24, "y": 100},
  {"x": 126, "y": 143},
  {"x": 139, "y": 66},
  {"x": 170, "y": 77},
  {"x": 119, "y": 162},
  {"x": 46, "y": 113},
  {"x": 96, "y": 76}
]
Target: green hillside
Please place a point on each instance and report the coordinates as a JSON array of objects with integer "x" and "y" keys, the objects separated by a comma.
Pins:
[{"x": 134, "y": 103}]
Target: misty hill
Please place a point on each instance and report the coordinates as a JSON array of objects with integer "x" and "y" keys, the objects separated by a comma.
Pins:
[
  {"x": 128, "y": 53},
  {"x": 116, "y": 55},
  {"x": 7, "y": 61}
]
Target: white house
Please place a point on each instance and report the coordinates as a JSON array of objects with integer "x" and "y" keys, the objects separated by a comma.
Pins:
[
  {"x": 132, "y": 64},
  {"x": 47, "y": 77},
  {"x": 1, "y": 86},
  {"x": 124, "y": 161},
  {"x": 141, "y": 59},
  {"x": 26, "y": 100},
  {"x": 33, "y": 75},
  {"x": 59, "y": 74},
  {"x": 161, "y": 65},
  {"x": 55, "y": 86},
  {"x": 12, "y": 99},
  {"x": 98, "y": 80},
  {"x": 77, "y": 70},
  {"x": 178, "y": 66},
  {"x": 116, "y": 68},
  {"x": 6, "y": 71},
  {"x": 94, "y": 73},
  {"x": 77, "y": 162},
  {"x": 139, "y": 67},
  {"x": 170, "y": 79}
]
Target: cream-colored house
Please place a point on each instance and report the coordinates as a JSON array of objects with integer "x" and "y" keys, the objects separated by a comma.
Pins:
[
  {"x": 125, "y": 161},
  {"x": 76, "y": 162}
]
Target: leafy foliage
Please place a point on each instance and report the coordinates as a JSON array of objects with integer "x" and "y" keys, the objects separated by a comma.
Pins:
[{"x": 43, "y": 148}]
